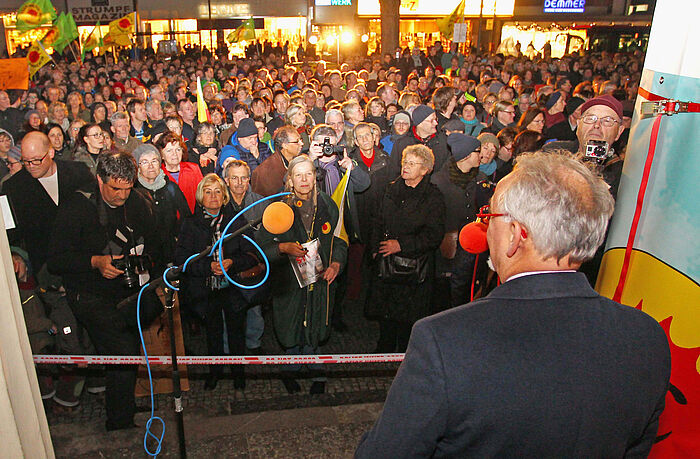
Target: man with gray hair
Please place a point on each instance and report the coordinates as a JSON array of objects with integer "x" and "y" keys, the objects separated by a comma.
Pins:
[
  {"x": 543, "y": 366},
  {"x": 121, "y": 126}
]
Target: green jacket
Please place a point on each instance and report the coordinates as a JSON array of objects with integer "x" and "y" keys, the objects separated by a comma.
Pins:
[{"x": 302, "y": 316}]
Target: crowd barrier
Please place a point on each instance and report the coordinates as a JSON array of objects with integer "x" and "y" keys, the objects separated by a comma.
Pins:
[{"x": 217, "y": 359}]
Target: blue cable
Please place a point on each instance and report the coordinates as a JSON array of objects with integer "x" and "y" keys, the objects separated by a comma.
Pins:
[
  {"x": 218, "y": 244},
  {"x": 165, "y": 279},
  {"x": 148, "y": 433}
]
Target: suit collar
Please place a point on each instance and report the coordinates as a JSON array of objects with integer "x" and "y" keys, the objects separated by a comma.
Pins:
[{"x": 551, "y": 285}]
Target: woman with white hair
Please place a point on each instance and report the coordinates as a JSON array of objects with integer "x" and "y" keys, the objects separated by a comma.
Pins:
[{"x": 302, "y": 315}]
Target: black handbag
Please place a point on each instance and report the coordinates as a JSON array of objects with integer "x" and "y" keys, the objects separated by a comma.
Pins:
[{"x": 403, "y": 270}]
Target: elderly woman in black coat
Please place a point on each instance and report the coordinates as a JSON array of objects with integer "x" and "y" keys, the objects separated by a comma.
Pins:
[
  {"x": 204, "y": 283},
  {"x": 407, "y": 227}
]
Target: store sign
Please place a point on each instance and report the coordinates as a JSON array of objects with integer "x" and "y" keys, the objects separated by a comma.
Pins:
[
  {"x": 564, "y": 6},
  {"x": 333, "y": 2},
  {"x": 472, "y": 8},
  {"x": 91, "y": 11}
]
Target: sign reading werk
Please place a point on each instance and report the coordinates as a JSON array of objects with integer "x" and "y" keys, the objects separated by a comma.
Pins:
[
  {"x": 91, "y": 11},
  {"x": 564, "y": 6}
]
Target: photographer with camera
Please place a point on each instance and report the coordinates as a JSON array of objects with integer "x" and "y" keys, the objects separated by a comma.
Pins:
[
  {"x": 102, "y": 246},
  {"x": 332, "y": 161}
]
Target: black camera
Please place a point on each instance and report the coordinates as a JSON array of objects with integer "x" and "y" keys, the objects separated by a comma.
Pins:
[
  {"x": 328, "y": 149},
  {"x": 132, "y": 265},
  {"x": 597, "y": 150}
]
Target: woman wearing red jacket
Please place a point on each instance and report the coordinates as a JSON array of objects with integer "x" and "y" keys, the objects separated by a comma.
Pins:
[{"x": 187, "y": 175}]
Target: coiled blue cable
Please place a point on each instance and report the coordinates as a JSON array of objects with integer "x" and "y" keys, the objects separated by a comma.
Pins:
[
  {"x": 148, "y": 433},
  {"x": 218, "y": 244}
]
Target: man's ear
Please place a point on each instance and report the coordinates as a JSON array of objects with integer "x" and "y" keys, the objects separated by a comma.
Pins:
[{"x": 517, "y": 235}]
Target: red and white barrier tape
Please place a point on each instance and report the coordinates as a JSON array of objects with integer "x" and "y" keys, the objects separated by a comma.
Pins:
[{"x": 217, "y": 359}]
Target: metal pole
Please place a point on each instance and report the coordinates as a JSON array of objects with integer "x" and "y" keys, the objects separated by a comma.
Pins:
[
  {"x": 211, "y": 34},
  {"x": 177, "y": 391}
]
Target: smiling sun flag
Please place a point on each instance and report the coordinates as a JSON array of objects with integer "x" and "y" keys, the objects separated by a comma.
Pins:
[
  {"x": 35, "y": 13},
  {"x": 121, "y": 29},
  {"x": 36, "y": 58}
]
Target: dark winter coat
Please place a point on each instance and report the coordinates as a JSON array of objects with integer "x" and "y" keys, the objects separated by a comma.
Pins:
[
  {"x": 437, "y": 143},
  {"x": 195, "y": 236},
  {"x": 416, "y": 218},
  {"x": 302, "y": 316},
  {"x": 366, "y": 201},
  {"x": 169, "y": 208}
]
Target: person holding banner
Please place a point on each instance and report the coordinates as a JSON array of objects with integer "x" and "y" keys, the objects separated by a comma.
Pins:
[{"x": 302, "y": 305}]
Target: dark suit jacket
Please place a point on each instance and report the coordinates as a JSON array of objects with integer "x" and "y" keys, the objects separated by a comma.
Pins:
[
  {"x": 34, "y": 210},
  {"x": 541, "y": 367}
]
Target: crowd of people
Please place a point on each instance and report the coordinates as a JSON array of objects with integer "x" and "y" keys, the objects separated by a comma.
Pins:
[{"x": 107, "y": 167}]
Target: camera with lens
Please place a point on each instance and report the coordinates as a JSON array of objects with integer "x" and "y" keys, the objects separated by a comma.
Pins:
[
  {"x": 329, "y": 149},
  {"x": 132, "y": 265},
  {"x": 597, "y": 150}
]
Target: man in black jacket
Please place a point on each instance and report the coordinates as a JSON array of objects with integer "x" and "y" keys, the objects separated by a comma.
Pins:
[
  {"x": 35, "y": 193},
  {"x": 92, "y": 235},
  {"x": 424, "y": 132},
  {"x": 543, "y": 366}
]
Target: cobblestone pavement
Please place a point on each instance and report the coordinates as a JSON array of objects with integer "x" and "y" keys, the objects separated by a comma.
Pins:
[{"x": 80, "y": 433}]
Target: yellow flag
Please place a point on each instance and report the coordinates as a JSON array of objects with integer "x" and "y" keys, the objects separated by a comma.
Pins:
[
  {"x": 338, "y": 197},
  {"x": 37, "y": 58},
  {"x": 202, "y": 110},
  {"x": 446, "y": 25},
  {"x": 121, "y": 28}
]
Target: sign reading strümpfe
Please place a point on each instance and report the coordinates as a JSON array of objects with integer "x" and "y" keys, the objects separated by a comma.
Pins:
[{"x": 88, "y": 12}]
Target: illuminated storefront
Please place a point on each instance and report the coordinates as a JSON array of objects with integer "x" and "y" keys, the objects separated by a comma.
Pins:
[
  {"x": 418, "y": 26},
  {"x": 563, "y": 39}
]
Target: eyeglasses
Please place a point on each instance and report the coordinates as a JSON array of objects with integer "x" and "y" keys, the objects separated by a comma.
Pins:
[
  {"x": 153, "y": 162},
  {"x": 96, "y": 135},
  {"x": 484, "y": 214},
  {"x": 33, "y": 162},
  {"x": 412, "y": 163},
  {"x": 237, "y": 179},
  {"x": 607, "y": 121},
  {"x": 508, "y": 111}
]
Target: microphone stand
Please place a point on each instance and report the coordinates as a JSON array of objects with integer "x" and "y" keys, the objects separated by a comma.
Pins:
[
  {"x": 175, "y": 374},
  {"x": 172, "y": 276}
]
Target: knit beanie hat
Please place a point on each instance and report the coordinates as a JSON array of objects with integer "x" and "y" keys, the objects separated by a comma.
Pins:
[
  {"x": 607, "y": 100},
  {"x": 462, "y": 145},
  {"x": 487, "y": 137},
  {"x": 246, "y": 128},
  {"x": 420, "y": 113}
]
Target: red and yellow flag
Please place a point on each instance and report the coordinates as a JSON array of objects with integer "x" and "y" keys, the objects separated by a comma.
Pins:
[
  {"x": 34, "y": 13},
  {"x": 36, "y": 58},
  {"x": 121, "y": 29}
]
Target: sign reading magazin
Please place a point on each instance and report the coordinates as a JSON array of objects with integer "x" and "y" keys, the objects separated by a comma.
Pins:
[{"x": 88, "y": 12}]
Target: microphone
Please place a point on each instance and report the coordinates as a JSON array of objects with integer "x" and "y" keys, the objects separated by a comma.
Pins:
[
  {"x": 472, "y": 238},
  {"x": 278, "y": 218}
]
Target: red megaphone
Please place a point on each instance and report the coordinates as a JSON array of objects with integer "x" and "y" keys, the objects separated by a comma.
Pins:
[{"x": 472, "y": 238}]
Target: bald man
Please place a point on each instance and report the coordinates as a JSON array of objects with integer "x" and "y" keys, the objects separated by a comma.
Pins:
[{"x": 35, "y": 193}]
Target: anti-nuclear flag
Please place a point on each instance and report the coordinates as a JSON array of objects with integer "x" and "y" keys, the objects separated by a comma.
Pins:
[
  {"x": 202, "y": 110},
  {"x": 245, "y": 31},
  {"x": 652, "y": 258},
  {"x": 94, "y": 40},
  {"x": 121, "y": 29},
  {"x": 61, "y": 34},
  {"x": 338, "y": 197},
  {"x": 36, "y": 58},
  {"x": 446, "y": 24},
  {"x": 35, "y": 13}
]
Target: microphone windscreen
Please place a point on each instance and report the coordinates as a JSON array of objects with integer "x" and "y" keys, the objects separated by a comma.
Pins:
[
  {"x": 278, "y": 218},
  {"x": 472, "y": 238}
]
